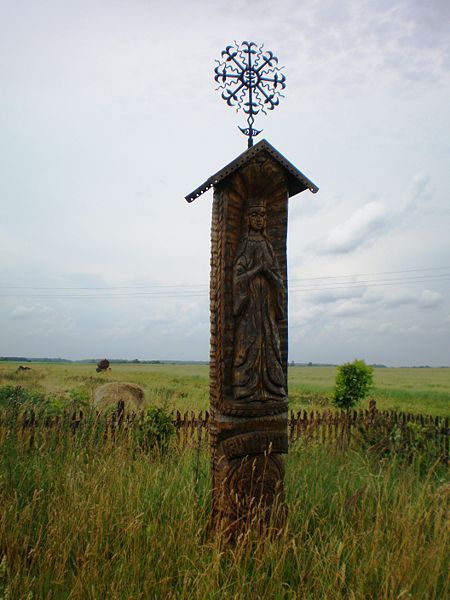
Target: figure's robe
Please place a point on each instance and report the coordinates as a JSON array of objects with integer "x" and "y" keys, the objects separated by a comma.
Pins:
[{"x": 258, "y": 295}]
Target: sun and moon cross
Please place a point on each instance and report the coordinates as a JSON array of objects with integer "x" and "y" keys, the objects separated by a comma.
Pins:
[{"x": 250, "y": 80}]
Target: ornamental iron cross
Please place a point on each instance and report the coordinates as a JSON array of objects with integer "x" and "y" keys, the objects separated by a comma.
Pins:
[{"x": 250, "y": 80}]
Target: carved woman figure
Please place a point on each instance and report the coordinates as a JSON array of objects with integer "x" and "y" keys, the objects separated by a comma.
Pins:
[{"x": 258, "y": 294}]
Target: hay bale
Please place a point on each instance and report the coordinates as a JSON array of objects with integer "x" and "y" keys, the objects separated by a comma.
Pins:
[{"x": 107, "y": 396}]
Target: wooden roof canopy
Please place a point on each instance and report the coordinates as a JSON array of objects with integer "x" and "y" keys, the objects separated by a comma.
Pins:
[{"x": 297, "y": 182}]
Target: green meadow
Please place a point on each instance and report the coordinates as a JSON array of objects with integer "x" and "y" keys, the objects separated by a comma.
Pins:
[
  {"x": 88, "y": 517},
  {"x": 186, "y": 387}
]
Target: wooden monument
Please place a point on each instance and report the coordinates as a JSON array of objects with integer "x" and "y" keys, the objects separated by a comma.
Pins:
[{"x": 249, "y": 339}]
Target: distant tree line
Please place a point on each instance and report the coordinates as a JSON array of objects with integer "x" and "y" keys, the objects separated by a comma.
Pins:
[
  {"x": 311, "y": 364},
  {"x": 25, "y": 359},
  {"x": 134, "y": 361}
]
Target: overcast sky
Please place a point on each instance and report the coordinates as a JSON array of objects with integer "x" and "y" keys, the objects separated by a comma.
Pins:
[{"x": 109, "y": 117}]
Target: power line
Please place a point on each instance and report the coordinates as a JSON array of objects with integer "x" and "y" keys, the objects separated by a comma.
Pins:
[
  {"x": 198, "y": 287},
  {"x": 175, "y": 294},
  {"x": 373, "y": 273},
  {"x": 114, "y": 287},
  {"x": 367, "y": 285},
  {"x": 368, "y": 282},
  {"x": 100, "y": 296}
]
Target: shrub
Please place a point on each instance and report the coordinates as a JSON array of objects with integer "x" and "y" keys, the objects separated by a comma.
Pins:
[
  {"x": 157, "y": 428},
  {"x": 54, "y": 406},
  {"x": 353, "y": 382},
  {"x": 17, "y": 396},
  {"x": 79, "y": 398}
]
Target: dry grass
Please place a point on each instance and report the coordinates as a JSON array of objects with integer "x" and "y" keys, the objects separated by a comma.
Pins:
[{"x": 82, "y": 521}]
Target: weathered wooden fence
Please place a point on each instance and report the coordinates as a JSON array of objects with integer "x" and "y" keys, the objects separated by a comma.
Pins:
[{"x": 376, "y": 429}]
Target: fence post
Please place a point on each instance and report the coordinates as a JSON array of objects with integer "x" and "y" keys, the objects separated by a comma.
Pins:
[
  {"x": 177, "y": 423},
  {"x": 199, "y": 427},
  {"x": 120, "y": 412},
  {"x": 291, "y": 425},
  {"x": 446, "y": 433},
  {"x": 207, "y": 426}
]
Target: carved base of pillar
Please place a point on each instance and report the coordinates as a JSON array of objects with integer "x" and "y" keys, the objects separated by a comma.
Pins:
[{"x": 248, "y": 473}]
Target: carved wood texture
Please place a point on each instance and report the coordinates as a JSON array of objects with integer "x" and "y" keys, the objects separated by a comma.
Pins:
[{"x": 248, "y": 438}]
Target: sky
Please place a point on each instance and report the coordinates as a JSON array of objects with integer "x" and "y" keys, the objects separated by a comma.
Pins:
[{"x": 109, "y": 117}]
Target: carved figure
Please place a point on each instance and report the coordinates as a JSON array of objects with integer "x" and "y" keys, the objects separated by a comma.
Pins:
[{"x": 258, "y": 300}]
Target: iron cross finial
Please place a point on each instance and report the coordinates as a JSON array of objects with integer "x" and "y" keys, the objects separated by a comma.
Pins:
[{"x": 250, "y": 80}]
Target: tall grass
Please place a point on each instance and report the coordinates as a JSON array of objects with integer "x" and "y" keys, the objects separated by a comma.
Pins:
[{"x": 81, "y": 520}]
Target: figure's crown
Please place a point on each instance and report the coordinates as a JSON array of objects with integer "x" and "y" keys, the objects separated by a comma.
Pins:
[{"x": 256, "y": 203}]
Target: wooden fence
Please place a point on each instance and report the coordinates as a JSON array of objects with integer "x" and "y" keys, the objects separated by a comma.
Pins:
[
  {"x": 372, "y": 427},
  {"x": 379, "y": 430}
]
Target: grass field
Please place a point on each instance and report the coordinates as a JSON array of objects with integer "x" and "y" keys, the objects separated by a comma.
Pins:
[
  {"x": 86, "y": 521},
  {"x": 88, "y": 517},
  {"x": 186, "y": 387}
]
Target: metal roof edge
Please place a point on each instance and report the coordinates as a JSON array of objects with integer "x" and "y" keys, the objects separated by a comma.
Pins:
[{"x": 241, "y": 159}]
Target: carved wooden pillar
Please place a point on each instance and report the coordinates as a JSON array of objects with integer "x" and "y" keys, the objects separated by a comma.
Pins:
[{"x": 249, "y": 341}]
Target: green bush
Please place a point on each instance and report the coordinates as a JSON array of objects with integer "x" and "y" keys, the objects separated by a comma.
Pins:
[
  {"x": 157, "y": 428},
  {"x": 353, "y": 382},
  {"x": 54, "y": 406},
  {"x": 17, "y": 396},
  {"x": 79, "y": 398}
]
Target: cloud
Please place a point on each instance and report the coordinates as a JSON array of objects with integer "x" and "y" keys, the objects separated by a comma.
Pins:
[
  {"x": 421, "y": 192},
  {"x": 383, "y": 328},
  {"x": 362, "y": 228},
  {"x": 57, "y": 325},
  {"x": 407, "y": 329},
  {"x": 336, "y": 295},
  {"x": 307, "y": 206},
  {"x": 42, "y": 320},
  {"x": 307, "y": 316},
  {"x": 90, "y": 280},
  {"x": 349, "y": 309},
  {"x": 400, "y": 299},
  {"x": 429, "y": 299},
  {"x": 425, "y": 299},
  {"x": 30, "y": 312},
  {"x": 179, "y": 319}
]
